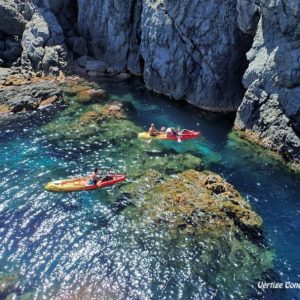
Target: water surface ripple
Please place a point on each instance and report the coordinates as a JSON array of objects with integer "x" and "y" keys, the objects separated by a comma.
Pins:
[{"x": 79, "y": 246}]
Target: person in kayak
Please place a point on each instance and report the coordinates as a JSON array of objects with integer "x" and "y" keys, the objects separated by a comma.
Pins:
[
  {"x": 94, "y": 178},
  {"x": 153, "y": 131},
  {"x": 171, "y": 132}
]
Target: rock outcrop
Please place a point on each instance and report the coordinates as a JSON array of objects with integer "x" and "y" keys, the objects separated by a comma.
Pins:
[
  {"x": 12, "y": 21},
  {"x": 203, "y": 208},
  {"x": 27, "y": 95},
  {"x": 195, "y": 202},
  {"x": 270, "y": 111},
  {"x": 43, "y": 44}
]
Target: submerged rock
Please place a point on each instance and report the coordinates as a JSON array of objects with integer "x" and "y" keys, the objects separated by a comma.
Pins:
[
  {"x": 107, "y": 111},
  {"x": 94, "y": 123},
  {"x": 245, "y": 145},
  {"x": 8, "y": 284},
  {"x": 198, "y": 202},
  {"x": 85, "y": 93},
  {"x": 201, "y": 211}
]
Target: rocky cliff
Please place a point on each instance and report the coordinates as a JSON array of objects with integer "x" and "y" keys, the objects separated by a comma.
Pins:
[
  {"x": 270, "y": 110},
  {"x": 190, "y": 50},
  {"x": 230, "y": 55}
]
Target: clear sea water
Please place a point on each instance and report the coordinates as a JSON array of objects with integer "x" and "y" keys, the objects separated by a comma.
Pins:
[{"x": 79, "y": 246}]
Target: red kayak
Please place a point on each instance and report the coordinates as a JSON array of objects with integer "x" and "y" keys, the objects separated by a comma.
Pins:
[
  {"x": 182, "y": 135},
  {"x": 82, "y": 183}
]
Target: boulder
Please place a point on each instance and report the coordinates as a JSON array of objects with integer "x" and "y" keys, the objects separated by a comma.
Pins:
[
  {"x": 43, "y": 45},
  {"x": 82, "y": 60},
  {"x": 123, "y": 76},
  {"x": 30, "y": 96},
  {"x": 11, "y": 22}
]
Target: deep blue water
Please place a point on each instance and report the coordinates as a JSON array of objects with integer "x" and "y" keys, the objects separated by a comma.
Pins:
[{"x": 76, "y": 246}]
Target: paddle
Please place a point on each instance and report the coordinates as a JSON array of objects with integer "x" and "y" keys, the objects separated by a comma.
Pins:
[
  {"x": 108, "y": 172},
  {"x": 178, "y": 136},
  {"x": 106, "y": 175}
]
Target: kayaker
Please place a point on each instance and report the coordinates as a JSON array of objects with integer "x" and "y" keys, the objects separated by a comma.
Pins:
[
  {"x": 94, "y": 178},
  {"x": 153, "y": 131},
  {"x": 171, "y": 132}
]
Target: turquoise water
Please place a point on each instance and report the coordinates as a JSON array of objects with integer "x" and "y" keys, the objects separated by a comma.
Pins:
[{"x": 83, "y": 246}]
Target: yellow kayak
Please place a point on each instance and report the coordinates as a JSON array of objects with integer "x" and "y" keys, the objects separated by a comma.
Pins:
[
  {"x": 183, "y": 135},
  {"x": 81, "y": 184}
]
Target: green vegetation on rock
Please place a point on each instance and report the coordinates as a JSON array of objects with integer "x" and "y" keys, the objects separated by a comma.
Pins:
[{"x": 201, "y": 211}]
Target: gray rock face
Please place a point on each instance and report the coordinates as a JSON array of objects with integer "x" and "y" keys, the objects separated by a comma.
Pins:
[
  {"x": 43, "y": 44},
  {"x": 10, "y": 50},
  {"x": 109, "y": 26},
  {"x": 184, "y": 49},
  {"x": 65, "y": 12},
  {"x": 271, "y": 106},
  {"x": 31, "y": 96},
  {"x": 199, "y": 59},
  {"x": 12, "y": 21},
  {"x": 248, "y": 15},
  {"x": 95, "y": 65},
  {"x": 78, "y": 45}
]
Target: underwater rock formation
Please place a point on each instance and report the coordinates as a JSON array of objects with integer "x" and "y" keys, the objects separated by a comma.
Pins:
[
  {"x": 201, "y": 210},
  {"x": 91, "y": 121},
  {"x": 195, "y": 202},
  {"x": 8, "y": 284}
]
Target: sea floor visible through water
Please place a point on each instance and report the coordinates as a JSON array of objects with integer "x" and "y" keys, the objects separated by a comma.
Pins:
[{"x": 83, "y": 246}]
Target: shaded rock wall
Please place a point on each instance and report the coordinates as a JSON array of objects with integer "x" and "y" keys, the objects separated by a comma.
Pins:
[
  {"x": 270, "y": 110},
  {"x": 190, "y": 50},
  {"x": 14, "y": 16},
  {"x": 112, "y": 31},
  {"x": 199, "y": 59}
]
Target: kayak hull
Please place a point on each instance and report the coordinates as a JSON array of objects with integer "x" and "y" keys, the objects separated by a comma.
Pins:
[
  {"x": 81, "y": 184},
  {"x": 184, "y": 135}
]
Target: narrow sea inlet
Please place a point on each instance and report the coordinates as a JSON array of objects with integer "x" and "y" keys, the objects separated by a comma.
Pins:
[{"x": 125, "y": 242}]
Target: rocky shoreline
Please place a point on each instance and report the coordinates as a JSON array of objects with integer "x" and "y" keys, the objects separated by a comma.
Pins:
[
  {"x": 247, "y": 64},
  {"x": 23, "y": 94}
]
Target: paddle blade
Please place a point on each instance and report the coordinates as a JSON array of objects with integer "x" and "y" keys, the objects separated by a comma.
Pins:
[{"x": 179, "y": 140}]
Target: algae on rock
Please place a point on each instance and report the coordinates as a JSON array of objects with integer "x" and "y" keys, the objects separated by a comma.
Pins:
[
  {"x": 198, "y": 202},
  {"x": 201, "y": 211}
]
